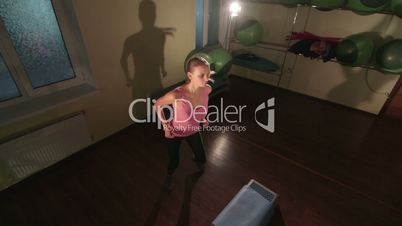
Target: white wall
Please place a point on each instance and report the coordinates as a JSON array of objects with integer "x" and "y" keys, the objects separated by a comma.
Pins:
[{"x": 353, "y": 87}]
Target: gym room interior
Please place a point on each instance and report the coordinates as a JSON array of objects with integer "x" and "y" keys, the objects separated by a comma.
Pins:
[{"x": 298, "y": 121}]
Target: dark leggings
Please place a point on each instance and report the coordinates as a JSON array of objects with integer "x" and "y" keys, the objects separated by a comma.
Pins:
[{"x": 196, "y": 145}]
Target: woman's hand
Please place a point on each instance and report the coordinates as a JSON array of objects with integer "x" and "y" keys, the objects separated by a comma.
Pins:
[
  {"x": 169, "y": 134},
  {"x": 168, "y": 131}
]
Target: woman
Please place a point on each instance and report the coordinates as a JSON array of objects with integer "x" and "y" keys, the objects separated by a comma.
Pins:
[{"x": 190, "y": 104}]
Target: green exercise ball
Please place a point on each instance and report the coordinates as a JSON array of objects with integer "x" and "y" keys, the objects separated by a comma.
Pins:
[
  {"x": 358, "y": 49},
  {"x": 326, "y": 5},
  {"x": 365, "y": 7},
  {"x": 396, "y": 7},
  {"x": 323, "y": 9},
  {"x": 249, "y": 32},
  {"x": 292, "y": 3},
  {"x": 219, "y": 59},
  {"x": 197, "y": 53},
  {"x": 389, "y": 57},
  {"x": 374, "y": 3},
  {"x": 222, "y": 61}
]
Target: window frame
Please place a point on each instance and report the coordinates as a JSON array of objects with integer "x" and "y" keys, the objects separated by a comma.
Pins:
[{"x": 69, "y": 29}]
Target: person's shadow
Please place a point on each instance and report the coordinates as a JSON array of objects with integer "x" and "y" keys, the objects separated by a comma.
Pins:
[
  {"x": 277, "y": 218},
  {"x": 147, "y": 50},
  {"x": 151, "y": 219},
  {"x": 184, "y": 215}
]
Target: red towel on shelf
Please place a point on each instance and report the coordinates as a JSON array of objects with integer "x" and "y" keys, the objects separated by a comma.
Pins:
[{"x": 310, "y": 36}]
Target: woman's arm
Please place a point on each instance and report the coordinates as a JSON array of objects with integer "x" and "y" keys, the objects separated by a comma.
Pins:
[
  {"x": 208, "y": 90},
  {"x": 123, "y": 62},
  {"x": 167, "y": 99}
]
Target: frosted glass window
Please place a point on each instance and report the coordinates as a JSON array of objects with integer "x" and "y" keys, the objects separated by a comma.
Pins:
[
  {"x": 8, "y": 89},
  {"x": 34, "y": 31}
]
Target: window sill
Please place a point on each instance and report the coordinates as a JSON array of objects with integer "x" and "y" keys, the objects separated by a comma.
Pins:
[{"x": 20, "y": 111}]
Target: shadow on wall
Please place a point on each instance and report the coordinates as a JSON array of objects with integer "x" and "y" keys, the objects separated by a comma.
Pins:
[
  {"x": 351, "y": 91},
  {"x": 146, "y": 48},
  {"x": 358, "y": 87}
]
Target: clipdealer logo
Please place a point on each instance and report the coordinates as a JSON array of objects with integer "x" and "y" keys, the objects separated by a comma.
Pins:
[
  {"x": 269, "y": 104},
  {"x": 215, "y": 114}
]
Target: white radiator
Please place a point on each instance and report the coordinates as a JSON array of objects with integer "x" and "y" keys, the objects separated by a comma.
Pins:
[{"x": 27, "y": 154}]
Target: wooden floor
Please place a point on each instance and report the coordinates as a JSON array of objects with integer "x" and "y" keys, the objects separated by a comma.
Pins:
[{"x": 331, "y": 165}]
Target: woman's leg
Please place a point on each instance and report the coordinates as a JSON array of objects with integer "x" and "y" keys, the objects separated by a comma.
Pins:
[
  {"x": 174, "y": 158},
  {"x": 174, "y": 154},
  {"x": 196, "y": 144}
]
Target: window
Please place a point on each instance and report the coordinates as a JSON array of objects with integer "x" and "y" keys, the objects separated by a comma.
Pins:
[
  {"x": 37, "y": 40},
  {"x": 8, "y": 87}
]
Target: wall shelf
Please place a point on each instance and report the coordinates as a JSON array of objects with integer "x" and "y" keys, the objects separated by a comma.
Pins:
[
  {"x": 280, "y": 47},
  {"x": 277, "y": 2},
  {"x": 265, "y": 45}
]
